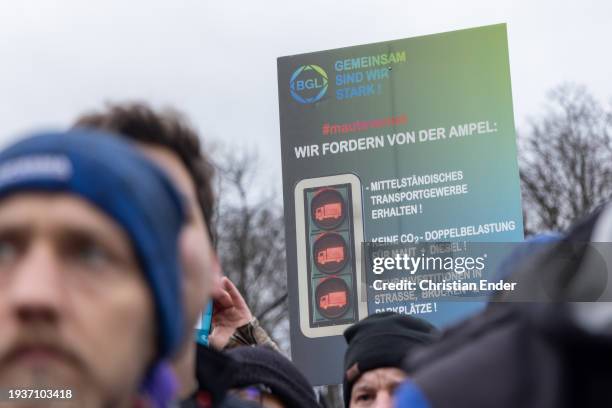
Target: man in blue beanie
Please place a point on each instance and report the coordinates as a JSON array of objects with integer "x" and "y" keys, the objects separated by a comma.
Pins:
[
  {"x": 169, "y": 141},
  {"x": 90, "y": 294}
]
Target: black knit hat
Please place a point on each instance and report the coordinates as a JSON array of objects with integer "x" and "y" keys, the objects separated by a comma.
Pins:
[
  {"x": 261, "y": 365},
  {"x": 381, "y": 340}
]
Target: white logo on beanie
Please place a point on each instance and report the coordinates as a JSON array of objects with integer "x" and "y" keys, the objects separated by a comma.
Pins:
[{"x": 54, "y": 167}]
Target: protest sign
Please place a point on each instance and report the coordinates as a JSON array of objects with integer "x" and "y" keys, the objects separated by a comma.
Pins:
[{"x": 400, "y": 142}]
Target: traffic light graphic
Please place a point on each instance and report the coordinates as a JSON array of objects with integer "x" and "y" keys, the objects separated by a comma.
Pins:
[
  {"x": 330, "y": 252},
  {"x": 329, "y": 228},
  {"x": 332, "y": 295}
]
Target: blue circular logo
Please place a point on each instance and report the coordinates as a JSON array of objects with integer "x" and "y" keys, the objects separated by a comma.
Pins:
[{"x": 308, "y": 84}]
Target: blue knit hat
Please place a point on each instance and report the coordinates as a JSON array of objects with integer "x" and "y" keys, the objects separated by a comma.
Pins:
[{"x": 116, "y": 178}]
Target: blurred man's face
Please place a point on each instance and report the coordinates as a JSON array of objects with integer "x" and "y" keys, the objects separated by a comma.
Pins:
[
  {"x": 196, "y": 250},
  {"x": 75, "y": 310},
  {"x": 374, "y": 389}
]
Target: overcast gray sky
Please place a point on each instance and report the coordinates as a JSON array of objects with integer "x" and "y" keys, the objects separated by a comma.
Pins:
[{"x": 216, "y": 61}]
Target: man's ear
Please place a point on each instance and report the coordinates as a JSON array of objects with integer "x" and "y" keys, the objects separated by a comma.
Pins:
[
  {"x": 216, "y": 274},
  {"x": 198, "y": 264}
]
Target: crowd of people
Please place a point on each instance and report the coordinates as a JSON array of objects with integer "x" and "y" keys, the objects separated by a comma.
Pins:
[{"x": 107, "y": 262}]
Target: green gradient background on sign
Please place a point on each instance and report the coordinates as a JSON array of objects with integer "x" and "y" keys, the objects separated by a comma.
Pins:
[{"x": 448, "y": 79}]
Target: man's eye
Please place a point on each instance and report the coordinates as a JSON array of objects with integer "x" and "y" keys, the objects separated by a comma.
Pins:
[
  {"x": 8, "y": 250},
  {"x": 364, "y": 397},
  {"x": 91, "y": 254}
]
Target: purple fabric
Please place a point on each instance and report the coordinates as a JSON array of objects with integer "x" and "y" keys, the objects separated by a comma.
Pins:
[{"x": 161, "y": 386}]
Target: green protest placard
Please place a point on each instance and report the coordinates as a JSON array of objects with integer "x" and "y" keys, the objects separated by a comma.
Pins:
[{"x": 400, "y": 142}]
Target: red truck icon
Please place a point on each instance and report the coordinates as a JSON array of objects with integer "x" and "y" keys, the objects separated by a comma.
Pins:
[
  {"x": 333, "y": 299},
  {"x": 333, "y": 210},
  {"x": 332, "y": 254}
]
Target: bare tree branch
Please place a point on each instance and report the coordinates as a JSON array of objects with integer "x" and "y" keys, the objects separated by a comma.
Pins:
[
  {"x": 565, "y": 161},
  {"x": 251, "y": 241}
]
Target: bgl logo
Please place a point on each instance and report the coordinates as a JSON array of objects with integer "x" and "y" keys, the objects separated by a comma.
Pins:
[{"x": 308, "y": 84}]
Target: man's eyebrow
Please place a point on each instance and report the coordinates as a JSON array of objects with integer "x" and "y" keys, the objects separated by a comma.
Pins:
[
  {"x": 363, "y": 387},
  {"x": 90, "y": 233},
  {"x": 84, "y": 233},
  {"x": 77, "y": 233},
  {"x": 15, "y": 230},
  {"x": 10, "y": 225}
]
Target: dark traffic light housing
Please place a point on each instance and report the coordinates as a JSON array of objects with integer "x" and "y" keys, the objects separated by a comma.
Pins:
[{"x": 329, "y": 228}]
